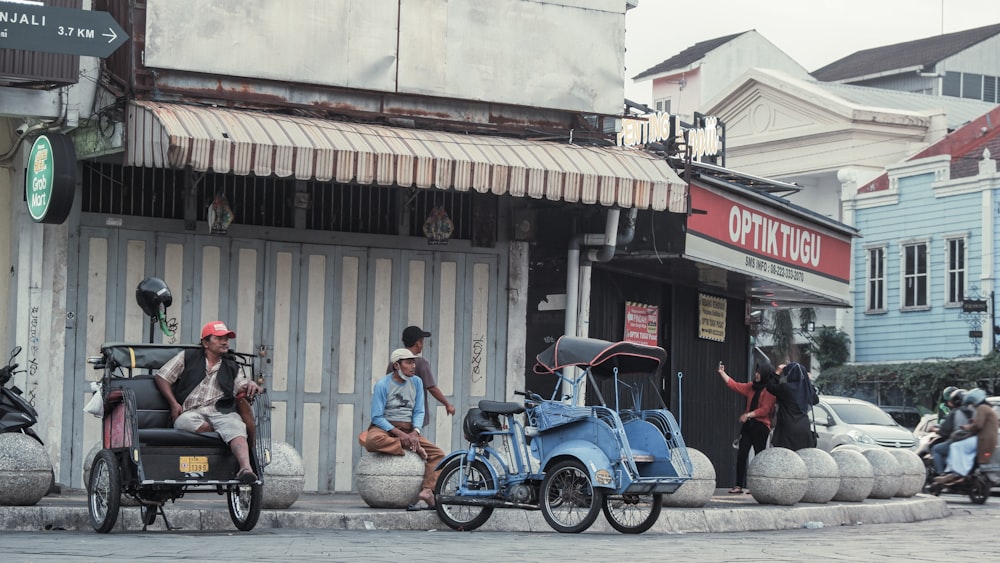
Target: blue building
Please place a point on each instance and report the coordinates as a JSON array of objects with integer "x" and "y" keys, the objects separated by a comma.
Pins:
[{"x": 925, "y": 267}]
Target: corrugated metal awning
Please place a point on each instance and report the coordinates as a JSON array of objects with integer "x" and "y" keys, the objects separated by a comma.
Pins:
[{"x": 230, "y": 141}]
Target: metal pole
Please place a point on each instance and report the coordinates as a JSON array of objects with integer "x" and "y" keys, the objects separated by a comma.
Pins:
[{"x": 993, "y": 320}]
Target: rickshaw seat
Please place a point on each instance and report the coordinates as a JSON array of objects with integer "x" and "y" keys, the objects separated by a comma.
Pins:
[
  {"x": 498, "y": 407},
  {"x": 153, "y": 417}
]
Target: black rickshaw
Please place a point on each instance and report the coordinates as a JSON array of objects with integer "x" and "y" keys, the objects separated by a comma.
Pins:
[{"x": 146, "y": 459}]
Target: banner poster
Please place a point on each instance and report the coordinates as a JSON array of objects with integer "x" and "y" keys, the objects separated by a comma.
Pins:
[
  {"x": 641, "y": 323},
  {"x": 711, "y": 318}
]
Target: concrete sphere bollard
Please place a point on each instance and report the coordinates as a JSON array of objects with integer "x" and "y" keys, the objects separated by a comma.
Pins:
[
  {"x": 25, "y": 470},
  {"x": 856, "y": 475},
  {"x": 698, "y": 490},
  {"x": 913, "y": 474},
  {"x": 824, "y": 475},
  {"x": 885, "y": 470},
  {"x": 389, "y": 481},
  {"x": 777, "y": 476},
  {"x": 284, "y": 477}
]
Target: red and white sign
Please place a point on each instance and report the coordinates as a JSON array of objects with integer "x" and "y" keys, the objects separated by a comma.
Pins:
[
  {"x": 641, "y": 323},
  {"x": 764, "y": 242}
]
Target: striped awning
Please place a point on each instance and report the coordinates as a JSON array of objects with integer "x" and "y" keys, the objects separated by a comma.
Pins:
[{"x": 230, "y": 141}]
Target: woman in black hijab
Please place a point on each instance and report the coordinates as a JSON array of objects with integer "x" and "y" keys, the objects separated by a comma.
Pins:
[{"x": 795, "y": 396}]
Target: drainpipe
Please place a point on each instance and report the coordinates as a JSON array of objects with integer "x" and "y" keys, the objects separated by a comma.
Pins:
[{"x": 578, "y": 270}]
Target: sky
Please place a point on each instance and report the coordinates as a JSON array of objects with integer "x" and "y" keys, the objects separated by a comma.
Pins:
[{"x": 813, "y": 32}]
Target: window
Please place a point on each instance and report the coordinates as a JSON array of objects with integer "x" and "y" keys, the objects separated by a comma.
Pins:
[
  {"x": 951, "y": 85},
  {"x": 990, "y": 89},
  {"x": 972, "y": 86},
  {"x": 875, "y": 292},
  {"x": 955, "y": 281},
  {"x": 663, "y": 105},
  {"x": 915, "y": 275}
]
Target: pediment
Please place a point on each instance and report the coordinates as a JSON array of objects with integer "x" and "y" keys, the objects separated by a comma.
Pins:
[{"x": 761, "y": 111}]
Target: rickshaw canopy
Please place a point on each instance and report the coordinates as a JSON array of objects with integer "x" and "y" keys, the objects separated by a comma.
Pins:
[{"x": 600, "y": 355}]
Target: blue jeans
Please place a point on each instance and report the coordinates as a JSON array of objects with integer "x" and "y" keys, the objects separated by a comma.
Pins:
[{"x": 939, "y": 452}]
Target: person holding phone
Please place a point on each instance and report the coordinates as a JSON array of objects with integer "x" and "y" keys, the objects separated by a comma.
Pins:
[{"x": 755, "y": 420}]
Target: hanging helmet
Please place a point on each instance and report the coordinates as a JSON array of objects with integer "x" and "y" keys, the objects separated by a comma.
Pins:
[
  {"x": 946, "y": 394},
  {"x": 151, "y": 294},
  {"x": 974, "y": 397},
  {"x": 957, "y": 396}
]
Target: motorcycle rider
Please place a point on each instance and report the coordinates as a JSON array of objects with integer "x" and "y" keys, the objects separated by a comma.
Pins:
[
  {"x": 957, "y": 416},
  {"x": 945, "y": 405},
  {"x": 979, "y": 447}
]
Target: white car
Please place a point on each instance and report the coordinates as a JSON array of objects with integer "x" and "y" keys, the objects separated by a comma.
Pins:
[{"x": 843, "y": 420}]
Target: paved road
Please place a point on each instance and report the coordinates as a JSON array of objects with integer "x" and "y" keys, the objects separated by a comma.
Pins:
[{"x": 958, "y": 537}]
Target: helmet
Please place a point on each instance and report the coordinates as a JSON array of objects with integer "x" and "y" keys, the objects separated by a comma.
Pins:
[
  {"x": 957, "y": 396},
  {"x": 974, "y": 397},
  {"x": 151, "y": 294},
  {"x": 477, "y": 423},
  {"x": 946, "y": 394}
]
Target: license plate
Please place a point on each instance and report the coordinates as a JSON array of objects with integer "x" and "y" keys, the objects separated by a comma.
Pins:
[{"x": 194, "y": 464}]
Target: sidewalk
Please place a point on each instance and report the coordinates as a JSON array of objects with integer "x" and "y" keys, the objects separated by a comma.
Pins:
[{"x": 724, "y": 513}]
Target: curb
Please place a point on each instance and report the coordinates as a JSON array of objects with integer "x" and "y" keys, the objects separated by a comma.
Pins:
[{"x": 748, "y": 517}]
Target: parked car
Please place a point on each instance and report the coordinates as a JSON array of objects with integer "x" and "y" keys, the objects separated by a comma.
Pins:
[
  {"x": 844, "y": 420},
  {"x": 907, "y": 417}
]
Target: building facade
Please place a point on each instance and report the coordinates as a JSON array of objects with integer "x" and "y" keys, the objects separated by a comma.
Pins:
[{"x": 926, "y": 266}]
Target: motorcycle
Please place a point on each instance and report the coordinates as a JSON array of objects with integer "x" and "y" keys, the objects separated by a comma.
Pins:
[
  {"x": 977, "y": 485},
  {"x": 16, "y": 414}
]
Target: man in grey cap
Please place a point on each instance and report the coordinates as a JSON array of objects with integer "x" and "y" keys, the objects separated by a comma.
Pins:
[
  {"x": 397, "y": 414},
  {"x": 413, "y": 340}
]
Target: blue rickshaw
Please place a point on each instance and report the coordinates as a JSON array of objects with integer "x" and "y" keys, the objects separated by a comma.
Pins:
[{"x": 569, "y": 460}]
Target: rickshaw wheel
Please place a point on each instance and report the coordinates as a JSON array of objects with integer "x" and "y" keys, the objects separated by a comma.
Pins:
[
  {"x": 462, "y": 517},
  {"x": 632, "y": 514},
  {"x": 570, "y": 503},
  {"x": 105, "y": 492},
  {"x": 979, "y": 491},
  {"x": 244, "y": 505}
]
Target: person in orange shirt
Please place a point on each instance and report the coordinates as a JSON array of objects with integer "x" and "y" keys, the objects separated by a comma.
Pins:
[{"x": 755, "y": 420}]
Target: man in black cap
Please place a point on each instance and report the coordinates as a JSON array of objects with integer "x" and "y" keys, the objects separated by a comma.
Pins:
[{"x": 413, "y": 340}]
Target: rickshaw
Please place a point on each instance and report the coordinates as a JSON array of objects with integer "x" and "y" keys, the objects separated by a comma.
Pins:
[
  {"x": 146, "y": 459},
  {"x": 568, "y": 460}
]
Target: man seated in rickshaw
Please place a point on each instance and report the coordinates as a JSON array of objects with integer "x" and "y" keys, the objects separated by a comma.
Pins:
[{"x": 201, "y": 386}]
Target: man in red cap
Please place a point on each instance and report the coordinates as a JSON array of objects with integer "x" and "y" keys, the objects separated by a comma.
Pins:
[{"x": 201, "y": 386}]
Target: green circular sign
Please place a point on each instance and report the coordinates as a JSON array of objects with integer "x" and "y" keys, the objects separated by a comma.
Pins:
[{"x": 50, "y": 178}]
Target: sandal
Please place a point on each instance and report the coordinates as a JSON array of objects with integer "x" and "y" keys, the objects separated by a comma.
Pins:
[
  {"x": 246, "y": 477},
  {"x": 736, "y": 490},
  {"x": 419, "y": 505}
]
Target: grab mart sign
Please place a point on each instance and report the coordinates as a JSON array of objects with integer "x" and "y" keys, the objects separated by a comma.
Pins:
[{"x": 50, "y": 178}]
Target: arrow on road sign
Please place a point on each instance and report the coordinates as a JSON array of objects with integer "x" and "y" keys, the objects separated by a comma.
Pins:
[{"x": 59, "y": 30}]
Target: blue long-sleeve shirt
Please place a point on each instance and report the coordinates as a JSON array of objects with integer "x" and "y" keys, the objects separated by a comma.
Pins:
[{"x": 380, "y": 395}]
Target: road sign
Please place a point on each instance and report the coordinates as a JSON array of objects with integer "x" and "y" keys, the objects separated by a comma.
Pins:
[
  {"x": 59, "y": 30},
  {"x": 974, "y": 306}
]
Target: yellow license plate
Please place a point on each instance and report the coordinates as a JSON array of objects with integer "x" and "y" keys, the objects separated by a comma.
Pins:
[{"x": 194, "y": 464}]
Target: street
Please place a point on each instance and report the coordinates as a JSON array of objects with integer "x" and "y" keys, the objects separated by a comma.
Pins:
[{"x": 957, "y": 537}]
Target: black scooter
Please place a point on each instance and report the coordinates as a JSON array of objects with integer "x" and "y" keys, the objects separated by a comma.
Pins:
[{"x": 16, "y": 414}]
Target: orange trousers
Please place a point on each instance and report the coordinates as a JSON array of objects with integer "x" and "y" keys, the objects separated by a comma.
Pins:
[{"x": 379, "y": 440}]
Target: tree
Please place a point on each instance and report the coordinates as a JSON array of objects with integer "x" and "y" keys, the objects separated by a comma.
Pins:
[
  {"x": 830, "y": 346},
  {"x": 783, "y": 348}
]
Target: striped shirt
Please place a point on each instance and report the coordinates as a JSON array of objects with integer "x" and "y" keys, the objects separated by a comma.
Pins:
[{"x": 208, "y": 392}]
